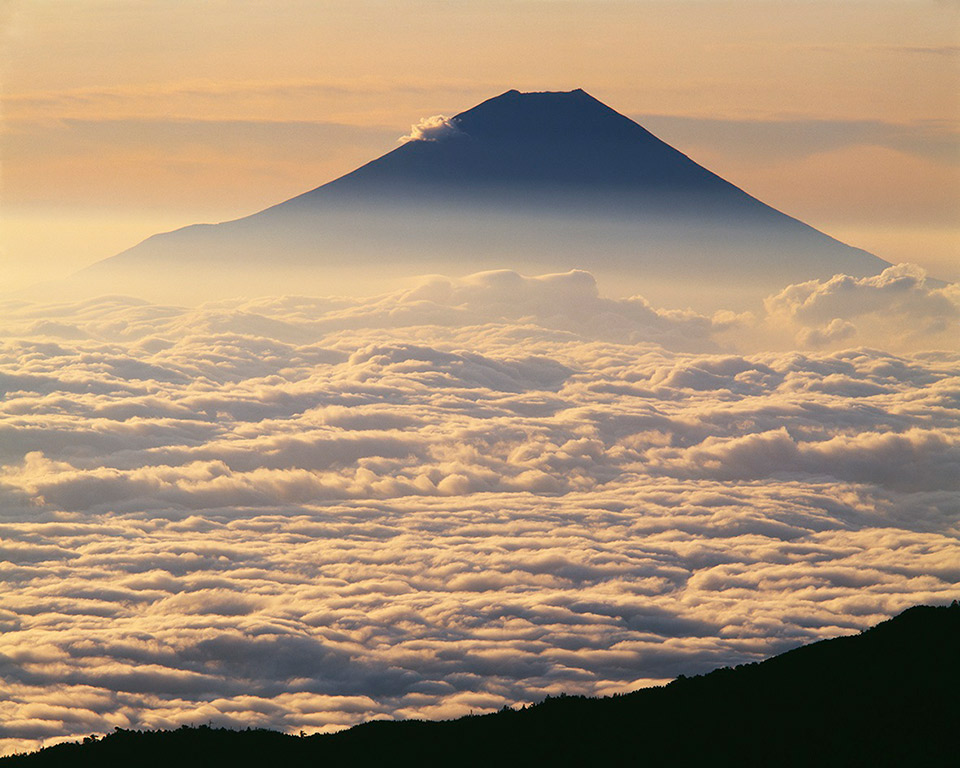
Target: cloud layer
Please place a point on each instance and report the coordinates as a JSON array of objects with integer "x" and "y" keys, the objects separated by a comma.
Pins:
[{"x": 304, "y": 512}]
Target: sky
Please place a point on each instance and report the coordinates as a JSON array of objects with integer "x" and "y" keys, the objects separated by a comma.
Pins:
[
  {"x": 123, "y": 119},
  {"x": 472, "y": 491}
]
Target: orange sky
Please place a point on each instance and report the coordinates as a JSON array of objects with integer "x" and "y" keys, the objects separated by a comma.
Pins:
[{"x": 120, "y": 119}]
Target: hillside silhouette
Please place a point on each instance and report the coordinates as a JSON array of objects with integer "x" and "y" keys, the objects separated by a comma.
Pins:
[
  {"x": 884, "y": 697},
  {"x": 537, "y": 182}
]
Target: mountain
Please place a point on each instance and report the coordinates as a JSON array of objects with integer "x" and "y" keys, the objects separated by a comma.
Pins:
[
  {"x": 884, "y": 697},
  {"x": 537, "y": 182}
]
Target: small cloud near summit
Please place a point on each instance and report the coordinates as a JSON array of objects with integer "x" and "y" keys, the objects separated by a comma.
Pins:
[{"x": 432, "y": 129}]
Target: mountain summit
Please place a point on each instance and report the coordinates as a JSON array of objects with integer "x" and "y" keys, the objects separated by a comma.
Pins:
[
  {"x": 549, "y": 142},
  {"x": 537, "y": 182}
]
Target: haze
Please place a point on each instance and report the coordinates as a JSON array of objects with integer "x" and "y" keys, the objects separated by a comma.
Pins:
[{"x": 123, "y": 120}]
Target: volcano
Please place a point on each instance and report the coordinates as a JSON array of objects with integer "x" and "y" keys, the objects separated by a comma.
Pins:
[{"x": 537, "y": 182}]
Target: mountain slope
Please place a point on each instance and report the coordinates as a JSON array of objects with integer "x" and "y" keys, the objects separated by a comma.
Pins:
[
  {"x": 538, "y": 182},
  {"x": 887, "y": 696},
  {"x": 533, "y": 141}
]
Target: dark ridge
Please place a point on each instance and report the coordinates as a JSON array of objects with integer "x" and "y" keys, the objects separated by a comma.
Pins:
[{"x": 885, "y": 697}]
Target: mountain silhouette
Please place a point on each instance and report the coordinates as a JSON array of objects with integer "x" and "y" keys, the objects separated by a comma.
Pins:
[
  {"x": 884, "y": 697},
  {"x": 549, "y": 144},
  {"x": 537, "y": 182}
]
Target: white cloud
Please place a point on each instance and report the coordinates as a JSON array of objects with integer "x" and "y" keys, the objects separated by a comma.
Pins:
[
  {"x": 435, "y": 128},
  {"x": 899, "y": 307},
  {"x": 302, "y": 513}
]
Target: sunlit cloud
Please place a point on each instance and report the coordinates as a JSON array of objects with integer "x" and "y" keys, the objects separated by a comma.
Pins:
[
  {"x": 900, "y": 306},
  {"x": 436, "y": 128},
  {"x": 301, "y": 513}
]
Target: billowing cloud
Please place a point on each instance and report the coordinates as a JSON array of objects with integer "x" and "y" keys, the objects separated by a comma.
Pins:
[
  {"x": 433, "y": 128},
  {"x": 301, "y": 513},
  {"x": 900, "y": 303},
  {"x": 901, "y": 310}
]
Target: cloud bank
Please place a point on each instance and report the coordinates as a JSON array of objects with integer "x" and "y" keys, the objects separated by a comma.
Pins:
[
  {"x": 900, "y": 306},
  {"x": 303, "y": 512}
]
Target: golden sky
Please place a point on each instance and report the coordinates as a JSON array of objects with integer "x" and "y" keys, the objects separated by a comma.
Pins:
[{"x": 120, "y": 119}]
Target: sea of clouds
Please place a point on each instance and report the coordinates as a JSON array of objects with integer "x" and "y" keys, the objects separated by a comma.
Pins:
[{"x": 302, "y": 513}]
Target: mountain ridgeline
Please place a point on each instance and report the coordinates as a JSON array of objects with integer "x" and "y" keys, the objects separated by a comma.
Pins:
[
  {"x": 536, "y": 182},
  {"x": 885, "y": 697}
]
